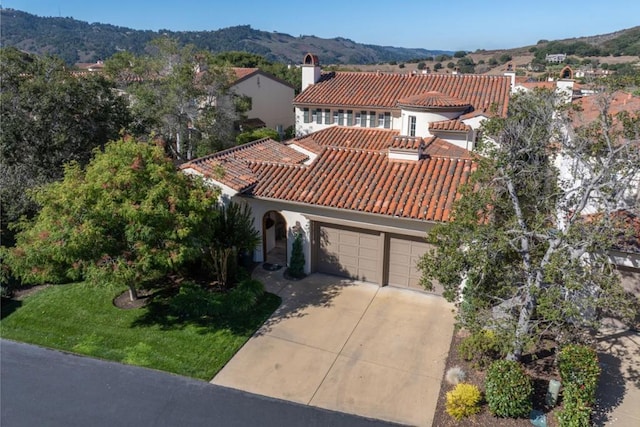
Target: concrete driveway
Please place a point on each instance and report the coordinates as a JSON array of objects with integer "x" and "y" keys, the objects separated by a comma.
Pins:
[{"x": 348, "y": 346}]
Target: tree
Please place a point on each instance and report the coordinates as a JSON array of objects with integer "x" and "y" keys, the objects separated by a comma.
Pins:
[
  {"x": 49, "y": 116},
  {"x": 526, "y": 252},
  {"x": 129, "y": 217},
  {"x": 180, "y": 95},
  {"x": 230, "y": 233},
  {"x": 256, "y": 134},
  {"x": 296, "y": 267},
  {"x": 460, "y": 54}
]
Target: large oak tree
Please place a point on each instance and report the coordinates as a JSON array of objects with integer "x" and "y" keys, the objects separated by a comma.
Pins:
[{"x": 526, "y": 254}]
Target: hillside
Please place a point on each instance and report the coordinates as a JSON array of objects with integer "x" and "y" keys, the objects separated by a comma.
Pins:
[{"x": 79, "y": 41}]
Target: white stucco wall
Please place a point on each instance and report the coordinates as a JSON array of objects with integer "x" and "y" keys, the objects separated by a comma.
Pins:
[
  {"x": 301, "y": 214},
  {"x": 270, "y": 100},
  {"x": 423, "y": 118}
]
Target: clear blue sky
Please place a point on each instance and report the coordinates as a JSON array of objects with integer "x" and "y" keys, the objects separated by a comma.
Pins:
[{"x": 429, "y": 24}]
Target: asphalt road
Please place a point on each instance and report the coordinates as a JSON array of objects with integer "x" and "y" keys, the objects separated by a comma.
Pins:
[{"x": 42, "y": 387}]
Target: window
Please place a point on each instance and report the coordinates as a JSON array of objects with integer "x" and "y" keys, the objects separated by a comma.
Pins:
[
  {"x": 363, "y": 119},
  {"x": 340, "y": 117},
  {"x": 387, "y": 120},
  {"x": 318, "y": 114},
  {"x": 349, "y": 118},
  {"x": 412, "y": 125},
  {"x": 314, "y": 116},
  {"x": 380, "y": 120},
  {"x": 372, "y": 119},
  {"x": 327, "y": 117},
  {"x": 336, "y": 117},
  {"x": 306, "y": 114}
]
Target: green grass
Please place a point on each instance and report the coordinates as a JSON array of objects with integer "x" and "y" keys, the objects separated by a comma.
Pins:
[{"x": 82, "y": 319}]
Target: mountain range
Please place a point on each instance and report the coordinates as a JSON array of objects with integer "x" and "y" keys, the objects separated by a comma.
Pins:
[{"x": 79, "y": 41}]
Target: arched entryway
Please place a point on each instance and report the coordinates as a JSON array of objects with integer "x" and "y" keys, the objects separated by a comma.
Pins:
[{"x": 274, "y": 238}]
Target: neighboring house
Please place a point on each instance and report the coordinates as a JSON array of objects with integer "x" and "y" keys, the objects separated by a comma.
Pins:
[
  {"x": 450, "y": 106},
  {"x": 626, "y": 255},
  {"x": 564, "y": 86},
  {"x": 270, "y": 97},
  {"x": 555, "y": 57}
]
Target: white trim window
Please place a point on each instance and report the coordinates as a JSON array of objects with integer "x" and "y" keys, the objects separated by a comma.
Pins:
[
  {"x": 327, "y": 116},
  {"x": 412, "y": 125},
  {"x": 372, "y": 119}
]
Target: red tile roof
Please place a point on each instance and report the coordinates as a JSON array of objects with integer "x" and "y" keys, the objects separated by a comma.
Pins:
[
  {"x": 230, "y": 167},
  {"x": 352, "y": 171},
  {"x": 591, "y": 105},
  {"x": 241, "y": 73},
  {"x": 367, "y": 181},
  {"x": 433, "y": 99},
  {"x": 380, "y": 90},
  {"x": 449, "y": 126},
  {"x": 349, "y": 136}
]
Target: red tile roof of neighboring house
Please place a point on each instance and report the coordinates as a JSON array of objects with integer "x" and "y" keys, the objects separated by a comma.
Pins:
[
  {"x": 542, "y": 85},
  {"x": 449, "y": 126},
  {"x": 230, "y": 167},
  {"x": 241, "y": 73},
  {"x": 368, "y": 181},
  {"x": 433, "y": 99},
  {"x": 591, "y": 106},
  {"x": 381, "y": 90}
]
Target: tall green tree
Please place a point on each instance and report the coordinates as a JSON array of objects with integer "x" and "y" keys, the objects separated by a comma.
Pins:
[
  {"x": 129, "y": 217},
  {"x": 526, "y": 252},
  {"x": 179, "y": 95},
  {"x": 49, "y": 116}
]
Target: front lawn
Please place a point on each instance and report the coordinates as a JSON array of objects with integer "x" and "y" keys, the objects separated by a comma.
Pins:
[{"x": 81, "y": 318}]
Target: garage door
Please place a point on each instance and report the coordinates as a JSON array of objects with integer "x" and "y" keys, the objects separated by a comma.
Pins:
[
  {"x": 404, "y": 255},
  {"x": 350, "y": 253}
]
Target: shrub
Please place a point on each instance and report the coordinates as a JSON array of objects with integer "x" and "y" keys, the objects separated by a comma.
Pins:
[
  {"x": 455, "y": 375},
  {"x": 481, "y": 347},
  {"x": 579, "y": 370},
  {"x": 574, "y": 414},
  {"x": 245, "y": 296},
  {"x": 296, "y": 265},
  {"x": 463, "y": 401},
  {"x": 508, "y": 389}
]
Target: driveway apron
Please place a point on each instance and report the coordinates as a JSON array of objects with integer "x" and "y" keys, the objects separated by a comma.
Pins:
[{"x": 348, "y": 346}]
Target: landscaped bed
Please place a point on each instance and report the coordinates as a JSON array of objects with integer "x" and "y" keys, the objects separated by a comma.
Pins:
[
  {"x": 541, "y": 369},
  {"x": 163, "y": 334}
]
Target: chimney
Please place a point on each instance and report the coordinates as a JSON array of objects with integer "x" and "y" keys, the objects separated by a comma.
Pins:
[
  {"x": 310, "y": 70},
  {"x": 512, "y": 75}
]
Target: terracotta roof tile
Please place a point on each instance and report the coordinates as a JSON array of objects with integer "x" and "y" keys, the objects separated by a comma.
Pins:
[
  {"x": 375, "y": 90},
  {"x": 433, "y": 99},
  {"x": 241, "y": 73},
  {"x": 349, "y": 136},
  {"x": 449, "y": 126},
  {"x": 233, "y": 163},
  {"x": 367, "y": 181},
  {"x": 590, "y": 106}
]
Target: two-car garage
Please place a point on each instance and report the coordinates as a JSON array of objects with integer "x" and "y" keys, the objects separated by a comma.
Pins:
[{"x": 368, "y": 255}]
